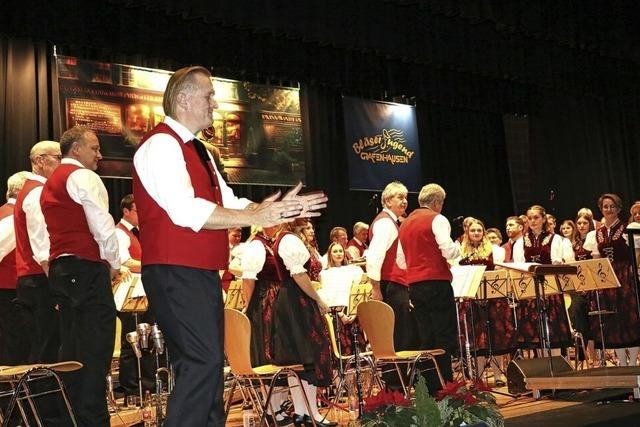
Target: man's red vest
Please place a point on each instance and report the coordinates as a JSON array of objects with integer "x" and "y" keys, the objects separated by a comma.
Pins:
[
  {"x": 421, "y": 252},
  {"x": 162, "y": 241},
  {"x": 360, "y": 246},
  {"x": 8, "y": 278},
  {"x": 390, "y": 270},
  {"x": 135, "y": 250},
  {"x": 66, "y": 221},
  {"x": 25, "y": 264}
]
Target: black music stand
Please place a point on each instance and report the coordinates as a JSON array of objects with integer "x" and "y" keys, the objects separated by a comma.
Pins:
[{"x": 495, "y": 285}]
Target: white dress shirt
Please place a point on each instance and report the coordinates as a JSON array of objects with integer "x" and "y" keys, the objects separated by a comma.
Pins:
[
  {"x": 568, "y": 255},
  {"x": 36, "y": 226},
  {"x": 87, "y": 189},
  {"x": 124, "y": 241},
  {"x": 7, "y": 234},
  {"x": 498, "y": 253},
  {"x": 160, "y": 165},
  {"x": 441, "y": 229},
  {"x": 556, "y": 250},
  {"x": 384, "y": 232}
]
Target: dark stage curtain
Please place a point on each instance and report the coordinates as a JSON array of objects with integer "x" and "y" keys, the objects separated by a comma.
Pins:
[
  {"x": 583, "y": 147},
  {"x": 25, "y": 113}
]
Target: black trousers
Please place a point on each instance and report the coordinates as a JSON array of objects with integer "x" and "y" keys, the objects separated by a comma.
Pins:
[
  {"x": 404, "y": 329},
  {"x": 87, "y": 330},
  {"x": 14, "y": 343},
  {"x": 434, "y": 309},
  {"x": 36, "y": 309},
  {"x": 187, "y": 303}
]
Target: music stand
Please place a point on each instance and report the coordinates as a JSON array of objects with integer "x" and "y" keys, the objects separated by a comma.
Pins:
[
  {"x": 495, "y": 285},
  {"x": 360, "y": 292},
  {"x": 595, "y": 275},
  {"x": 543, "y": 286},
  {"x": 465, "y": 282},
  {"x": 135, "y": 301},
  {"x": 234, "y": 299}
]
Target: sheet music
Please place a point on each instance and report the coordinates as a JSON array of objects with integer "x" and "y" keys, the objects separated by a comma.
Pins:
[
  {"x": 336, "y": 284},
  {"x": 120, "y": 294},
  {"x": 138, "y": 289},
  {"x": 595, "y": 273},
  {"x": 497, "y": 285},
  {"x": 466, "y": 279}
]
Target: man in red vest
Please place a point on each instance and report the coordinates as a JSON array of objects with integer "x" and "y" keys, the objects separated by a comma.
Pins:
[
  {"x": 426, "y": 242},
  {"x": 13, "y": 343},
  {"x": 83, "y": 261},
  {"x": 515, "y": 230},
  {"x": 387, "y": 277},
  {"x": 32, "y": 257},
  {"x": 358, "y": 243},
  {"x": 130, "y": 257},
  {"x": 127, "y": 233},
  {"x": 185, "y": 207}
]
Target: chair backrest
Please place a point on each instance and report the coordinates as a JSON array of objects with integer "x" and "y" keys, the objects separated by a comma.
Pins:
[
  {"x": 377, "y": 320},
  {"x": 237, "y": 341}
]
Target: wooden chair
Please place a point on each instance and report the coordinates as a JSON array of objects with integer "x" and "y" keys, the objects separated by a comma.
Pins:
[
  {"x": 347, "y": 361},
  {"x": 237, "y": 343},
  {"x": 377, "y": 319},
  {"x": 19, "y": 378}
]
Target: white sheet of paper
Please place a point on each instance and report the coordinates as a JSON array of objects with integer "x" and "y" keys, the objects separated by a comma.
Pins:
[
  {"x": 138, "y": 290},
  {"x": 466, "y": 279},
  {"x": 121, "y": 293},
  {"x": 518, "y": 266},
  {"x": 336, "y": 284}
]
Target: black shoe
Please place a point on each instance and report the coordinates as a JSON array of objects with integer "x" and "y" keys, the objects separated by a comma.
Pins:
[
  {"x": 285, "y": 421},
  {"x": 299, "y": 420}
]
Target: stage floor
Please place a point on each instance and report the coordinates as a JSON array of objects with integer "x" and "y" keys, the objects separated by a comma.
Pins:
[{"x": 564, "y": 409}]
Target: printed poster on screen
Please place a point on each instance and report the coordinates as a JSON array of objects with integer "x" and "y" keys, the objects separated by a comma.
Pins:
[
  {"x": 255, "y": 134},
  {"x": 382, "y": 144}
]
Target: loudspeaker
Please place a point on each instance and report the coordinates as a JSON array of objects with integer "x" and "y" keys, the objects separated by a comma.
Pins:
[{"x": 519, "y": 370}]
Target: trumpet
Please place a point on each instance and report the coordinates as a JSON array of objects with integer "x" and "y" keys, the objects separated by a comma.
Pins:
[
  {"x": 144, "y": 330},
  {"x": 133, "y": 339}
]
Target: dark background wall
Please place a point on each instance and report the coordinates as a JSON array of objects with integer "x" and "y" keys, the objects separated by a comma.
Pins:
[{"x": 514, "y": 100}]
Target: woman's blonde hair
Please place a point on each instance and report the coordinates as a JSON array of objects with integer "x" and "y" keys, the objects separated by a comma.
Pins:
[{"x": 483, "y": 250}]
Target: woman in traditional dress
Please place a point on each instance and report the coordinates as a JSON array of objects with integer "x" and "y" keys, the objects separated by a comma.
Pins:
[
  {"x": 538, "y": 245},
  {"x": 337, "y": 258},
  {"x": 299, "y": 332},
  {"x": 260, "y": 286},
  {"x": 494, "y": 326},
  {"x": 622, "y": 328}
]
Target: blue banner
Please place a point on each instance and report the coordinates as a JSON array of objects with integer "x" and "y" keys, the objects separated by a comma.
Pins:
[{"x": 382, "y": 144}]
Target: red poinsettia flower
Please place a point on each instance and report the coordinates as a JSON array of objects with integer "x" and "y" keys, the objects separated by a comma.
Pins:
[
  {"x": 450, "y": 389},
  {"x": 385, "y": 398},
  {"x": 481, "y": 386},
  {"x": 470, "y": 399}
]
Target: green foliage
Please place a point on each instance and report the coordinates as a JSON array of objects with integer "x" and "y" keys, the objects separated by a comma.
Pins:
[{"x": 458, "y": 403}]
